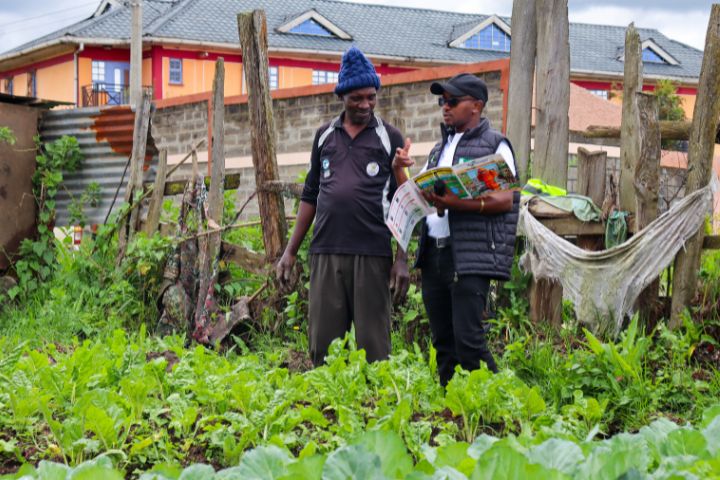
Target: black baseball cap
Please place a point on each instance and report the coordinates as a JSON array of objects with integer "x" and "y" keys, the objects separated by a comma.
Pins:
[{"x": 461, "y": 85}]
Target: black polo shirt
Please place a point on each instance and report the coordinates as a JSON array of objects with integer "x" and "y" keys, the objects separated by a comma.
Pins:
[{"x": 346, "y": 181}]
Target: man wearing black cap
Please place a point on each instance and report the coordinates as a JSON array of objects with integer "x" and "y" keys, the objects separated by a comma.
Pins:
[
  {"x": 468, "y": 242},
  {"x": 349, "y": 183}
]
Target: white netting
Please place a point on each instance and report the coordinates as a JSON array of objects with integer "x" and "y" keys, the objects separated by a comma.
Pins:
[{"x": 603, "y": 286}]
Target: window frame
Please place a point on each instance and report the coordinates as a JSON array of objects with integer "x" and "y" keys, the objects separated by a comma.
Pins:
[
  {"x": 495, "y": 30},
  {"x": 32, "y": 83},
  {"x": 328, "y": 77},
  {"x": 657, "y": 60},
  {"x": 600, "y": 93},
  {"x": 97, "y": 67},
  {"x": 176, "y": 71},
  {"x": 315, "y": 24},
  {"x": 273, "y": 72}
]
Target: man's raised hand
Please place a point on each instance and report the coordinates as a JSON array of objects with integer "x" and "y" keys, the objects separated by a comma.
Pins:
[{"x": 402, "y": 157}]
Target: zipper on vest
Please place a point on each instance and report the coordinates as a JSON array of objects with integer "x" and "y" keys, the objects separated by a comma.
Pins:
[{"x": 492, "y": 237}]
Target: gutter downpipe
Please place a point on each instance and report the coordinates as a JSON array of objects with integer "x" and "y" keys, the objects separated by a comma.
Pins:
[{"x": 77, "y": 75}]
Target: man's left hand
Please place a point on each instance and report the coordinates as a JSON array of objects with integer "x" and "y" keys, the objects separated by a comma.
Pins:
[{"x": 399, "y": 280}]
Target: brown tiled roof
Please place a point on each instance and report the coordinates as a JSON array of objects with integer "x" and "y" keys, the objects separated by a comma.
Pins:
[{"x": 587, "y": 109}]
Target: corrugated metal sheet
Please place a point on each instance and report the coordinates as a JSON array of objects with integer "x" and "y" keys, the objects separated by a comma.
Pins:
[{"x": 105, "y": 138}]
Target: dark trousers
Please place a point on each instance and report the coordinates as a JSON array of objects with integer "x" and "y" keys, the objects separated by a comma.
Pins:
[
  {"x": 346, "y": 289},
  {"x": 455, "y": 305}
]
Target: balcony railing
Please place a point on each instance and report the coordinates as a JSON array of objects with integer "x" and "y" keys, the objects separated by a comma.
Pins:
[{"x": 100, "y": 93}]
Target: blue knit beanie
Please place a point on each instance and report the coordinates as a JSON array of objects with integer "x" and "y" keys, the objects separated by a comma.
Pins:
[{"x": 356, "y": 71}]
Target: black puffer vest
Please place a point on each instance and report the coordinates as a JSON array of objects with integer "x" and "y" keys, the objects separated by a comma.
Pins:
[{"x": 481, "y": 244}]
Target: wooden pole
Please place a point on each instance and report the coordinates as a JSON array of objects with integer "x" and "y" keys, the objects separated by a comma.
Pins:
[
  {"x": 137, "y": 159},
  {"x": 136, "y": 54},
  {"x": 156, "y": 200},
  {"x": 700, "y": 158},
  {"x": 253, "y": 40},
  {"x": 591, "y": 183},
  {"x": 629, "y": 138},
  {"x": 550, "y": 158},
  {"x": 217, "y": 175},
  {"x": 520, "y": 94},
  {"x": 209, "y": 247},
  {"x": 647, "y": 188}
]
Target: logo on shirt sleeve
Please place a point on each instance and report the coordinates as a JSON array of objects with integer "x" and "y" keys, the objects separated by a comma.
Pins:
[{"x": 372, "y": 169}]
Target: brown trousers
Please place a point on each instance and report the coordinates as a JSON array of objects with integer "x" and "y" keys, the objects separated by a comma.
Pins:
[{"x": 346, "y": 289}]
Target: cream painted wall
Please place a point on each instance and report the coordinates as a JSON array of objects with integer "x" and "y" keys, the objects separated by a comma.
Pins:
[
  {"x": 294, "y": 77},
  {"x": 84, "y": 75},
  {"x": 688, "y": 104},
  {"x": 52, "y": 82},
  {"x": 198, "y": 77},
  {"x": 147, "y": 72},
  {"x": 20, "y": 85}
]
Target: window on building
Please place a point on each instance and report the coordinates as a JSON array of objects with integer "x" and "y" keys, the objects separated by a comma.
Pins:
[
  {"x": 600, "y": 93},
  {"x": 320, "y": 77},
  {"x": 176, "y": 71},
  {"x": 311, "y": 27},
  {"x": 491, "y": 37},
  {"x": 98, "y": 72},
  {"x": 9, "y": 86},
  {"x": 32, "y": 84},
  {"x": 273, "y": 75},
  {"x": 649, "y": 56}
]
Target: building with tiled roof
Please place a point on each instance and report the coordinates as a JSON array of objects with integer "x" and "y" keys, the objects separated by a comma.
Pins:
[{"x": 88, "y": 62}]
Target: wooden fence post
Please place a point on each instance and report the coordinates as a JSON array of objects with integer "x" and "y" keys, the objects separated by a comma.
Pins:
[
  {"x": 700, "y": 158},
  {"x": 253, "y": 40},
  {"x": 127, "y": 229},
  {"x": 520, "y": 94},
  {"x": 629, "y": 138},
  {"x": 550, "y": 158},
  {"x": 647, "y": 188},
  {"x": 209, "y": 247},
  {"x": 591, "y": 172},
  {"x": 156, "y": 200},
  {"x": 217, "y": 173}
]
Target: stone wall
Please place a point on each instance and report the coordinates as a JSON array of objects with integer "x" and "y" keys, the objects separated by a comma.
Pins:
[{"x": 409, "y": 106}]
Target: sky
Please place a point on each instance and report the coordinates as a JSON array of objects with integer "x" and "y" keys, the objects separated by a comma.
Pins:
[{"x": 682, "y": 20}]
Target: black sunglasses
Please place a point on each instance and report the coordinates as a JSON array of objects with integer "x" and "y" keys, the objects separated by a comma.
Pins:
[{"x": 452, "y": 102}]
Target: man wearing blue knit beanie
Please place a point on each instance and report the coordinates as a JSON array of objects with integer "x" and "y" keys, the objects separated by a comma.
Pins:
[{"x": 346, "y": 194}]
